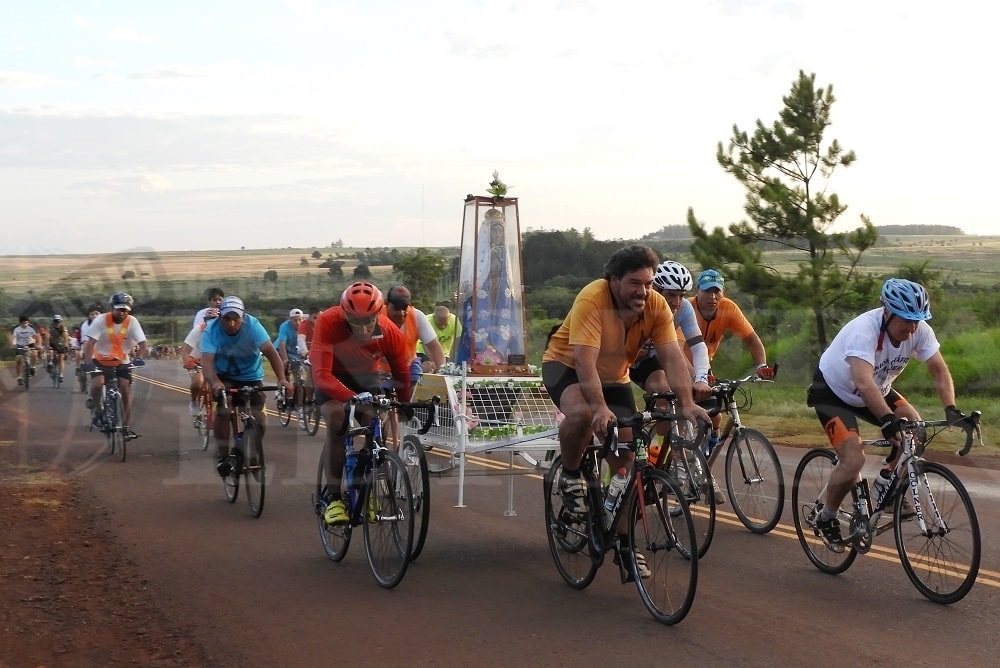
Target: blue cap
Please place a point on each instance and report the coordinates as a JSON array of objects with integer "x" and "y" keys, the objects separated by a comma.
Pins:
[
  {"x": 710, "y": 278},
  {"x": 232, "y": 305}
]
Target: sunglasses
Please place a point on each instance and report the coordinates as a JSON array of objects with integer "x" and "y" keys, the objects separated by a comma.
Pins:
[{"x": 361, "y": 322}]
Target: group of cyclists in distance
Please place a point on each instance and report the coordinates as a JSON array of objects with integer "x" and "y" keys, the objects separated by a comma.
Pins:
[{"x": 637, "y": 325}]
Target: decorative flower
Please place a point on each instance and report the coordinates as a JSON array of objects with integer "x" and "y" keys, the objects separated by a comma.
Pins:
[{"x": 497, "y": 187}]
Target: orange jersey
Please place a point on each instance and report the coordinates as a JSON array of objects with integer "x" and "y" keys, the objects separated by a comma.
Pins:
[{"x": 728, "y": 318}]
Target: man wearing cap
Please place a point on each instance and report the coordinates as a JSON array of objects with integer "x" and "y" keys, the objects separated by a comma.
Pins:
[
  {"x": 231, "y": 349},
  {"x": 287, "y": 341},
  {"x": 415, "y": 326},
  {"x": 718, "y": 314}
]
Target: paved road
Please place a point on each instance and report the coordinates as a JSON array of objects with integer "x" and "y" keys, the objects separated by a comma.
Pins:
[{"x": 485, "y": 591}]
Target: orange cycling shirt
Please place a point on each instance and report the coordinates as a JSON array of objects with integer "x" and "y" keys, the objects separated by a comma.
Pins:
[
  {"x": 410, "y": 333},
  {"x": 110, "y": 347},
  {"x": 335, "y": 353},
  {"x": 728, "y": 318},
  {"x": 594, "y": 321}
]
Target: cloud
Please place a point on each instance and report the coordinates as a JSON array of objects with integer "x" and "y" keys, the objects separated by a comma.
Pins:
[
  {"x": 166, "y": 72},
  {"x": 12, "y": 79},
  {"x": 129, "y": 34}
]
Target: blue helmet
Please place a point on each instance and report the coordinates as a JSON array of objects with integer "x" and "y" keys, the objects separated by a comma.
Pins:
[{"x": 906, "y": 299}]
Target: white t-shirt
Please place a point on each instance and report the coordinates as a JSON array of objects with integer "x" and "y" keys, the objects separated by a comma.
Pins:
[
  {"x": 193, "y": 339},
  {"x": 24, "y": 335},
  {"x": 425, "y": 331},
  {"x": 859, "y": 338}
]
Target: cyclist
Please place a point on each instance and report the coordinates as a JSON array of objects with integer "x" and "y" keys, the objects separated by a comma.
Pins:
[
  {"x": 58, "y": 344},
  {"x": 191, "y": 359},
  {"x": 854, "y": 380},
  {"x": 231, "y": 349},
  {"x": 416, "y": 328},
  {"x": 24, "y": 336},
  {"x": 717, "y": 315},
  {"x": 93, "y": 311},
  {"x": 110, "y": 340},
  {"x": 214, "y": 296},
  {"x": 306, "y": 328},
  {"x": 586, "y": 361},
  {"x": 347, "y": 344},
  {"x": 673, "y": 280},
  {"x": 287, "y": 340},
  {"x": 448, "y": 330}
]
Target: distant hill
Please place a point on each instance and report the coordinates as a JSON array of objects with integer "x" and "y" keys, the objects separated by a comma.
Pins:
[{"x": 673, "y": 232}]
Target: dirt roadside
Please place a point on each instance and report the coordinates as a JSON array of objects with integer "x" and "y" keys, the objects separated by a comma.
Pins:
[{"x": 69, "y": 596}]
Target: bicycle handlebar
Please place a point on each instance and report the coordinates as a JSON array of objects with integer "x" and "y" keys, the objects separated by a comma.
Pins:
[
  {"x": 968, "y": 424},
  {"x": 385, "y": 403},
  {"x": 245, "y": 390},
  {"x": 637, "y": 420}
]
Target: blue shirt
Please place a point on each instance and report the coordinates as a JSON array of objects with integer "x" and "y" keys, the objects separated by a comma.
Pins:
[
  {"x": 237, "y": 356},
  {"x": 289, "y": 332}
]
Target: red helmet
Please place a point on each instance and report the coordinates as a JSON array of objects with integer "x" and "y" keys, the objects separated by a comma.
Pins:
[{"x": 361, "y": 301}]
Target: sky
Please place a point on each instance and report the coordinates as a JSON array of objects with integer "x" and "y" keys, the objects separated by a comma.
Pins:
[{"x": 218, "y": 124}]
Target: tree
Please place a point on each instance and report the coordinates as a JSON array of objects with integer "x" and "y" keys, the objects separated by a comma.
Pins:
[
  {"x": 271, "y": 275},
  {"x": 786, "y": 169},
  {"x": 316, "y": 255},
  {"x": 362, "y": 272},
  {"x": 336, "y": 269},
  {"x": 421, "y": 270}
]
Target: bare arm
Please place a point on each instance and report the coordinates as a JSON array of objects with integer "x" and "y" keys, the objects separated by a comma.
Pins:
[
  {"x": 942, "y": 379},
  {"x": 863, "y": 375},
  {"x": 756, "y": 348},
  {"x": 435, "y": 351},
  {"x": 585, "y": 362},
  {"x": 276, "y": 364}
]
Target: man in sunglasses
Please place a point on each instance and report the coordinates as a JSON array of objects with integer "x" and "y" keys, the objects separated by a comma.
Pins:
[
  {"x": 348, "y": 342},
  {"x": 416, "y": 328}
]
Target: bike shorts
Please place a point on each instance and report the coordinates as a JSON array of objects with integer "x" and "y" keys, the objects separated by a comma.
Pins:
[
  {"x": 364, "y": 383},
  {"x": 122, "y": 371},
  {"x": 256, "y": 399},
  {"x": 557, "y": 377},
  {"x": 641, "y": 372},
  {"x": 840, "y": 419},
  {"x": 58, "y": 348}
]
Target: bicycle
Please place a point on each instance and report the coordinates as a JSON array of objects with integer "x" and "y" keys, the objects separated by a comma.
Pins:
[
  {"x": 27, "y": 368},
  {"x": 308, "y": 413},
  {"x": 659, "y": 525},
  {"x": 754, "y": 479},
  {"x": 81, "y": 377},
  {"x": 686, "y": 464},
  {"x": 111, "y": 411},
  {"x": 55, "y": 367},
  {"x": 377, "y": 494},
  {"x": 939, "y": 543},
  {"x": 246, "y": 455},
  {"x": 204, "y": 419}
]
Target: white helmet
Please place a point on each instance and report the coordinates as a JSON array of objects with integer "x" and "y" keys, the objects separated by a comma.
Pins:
[{"x": 672, "y": 275}]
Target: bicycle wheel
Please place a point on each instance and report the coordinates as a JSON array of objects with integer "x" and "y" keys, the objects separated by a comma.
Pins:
[
  {"x": 312, "y": 416},
  {"x": 691, "y": 473},
  {"x": 299, "y": 397},
  {"x": 26, "y": 375},
  {"x": 412, "y": 454},
  {"x": 284, "y": 408},
  {"x": 568, "y": 534},
  {"x": 231, "y": 483},
  {"x": 756, "y": 484},
  {"x": 113, "y": 429},
  {"x": 206, "y": 419},
  {"x": 665, "y": 538},
  {"x": 388, "y": 519},
  {"x": 336, "y": 538},
  {"x": 254, "y": 471},
  {"x": 810, "y": 480},
  {"x": 81, "y": 379},
  {"x": 942, "y": 563}
]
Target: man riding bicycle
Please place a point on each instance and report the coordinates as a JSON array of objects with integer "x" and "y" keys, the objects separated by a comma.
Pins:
[
  {"x": 585, "y": 366},
  {"x": 110, "y": 340},
  {"x": 22, "y": 337},
  {"x": 231, "y": 350},
  {"x": 347, "y": 344},
  {"x": 854, "y": 380},
  {"x": 58, "y": 345}
]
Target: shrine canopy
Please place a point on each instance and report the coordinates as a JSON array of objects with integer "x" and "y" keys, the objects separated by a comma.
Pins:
[{"x": 490, "y": 291}]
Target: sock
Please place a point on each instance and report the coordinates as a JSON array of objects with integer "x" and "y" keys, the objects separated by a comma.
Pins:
[{"x": 826, "y": 514}]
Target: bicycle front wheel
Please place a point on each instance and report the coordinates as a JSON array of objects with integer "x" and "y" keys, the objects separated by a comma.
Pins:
[
  {"x": 113, "y": 412},
  {"x": 312, "y": 416},
  {"x": 254, "y": 471},
  {"x": 808, "y": 486},
  {"x": 205, "y": 420},
  {"x": 388, "y": 519},
  {"x": 663, "y": 531},
  {"x": 335, "y": 537},
  {"x": 943, "y": 561},
  {"x": 284, "y": 408},
  {"x": 756, "y": 484},
  {"x": 412, "y": 454},
  {"x": 689, "y": 469},
  {"x": 568, "y": 534}
]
